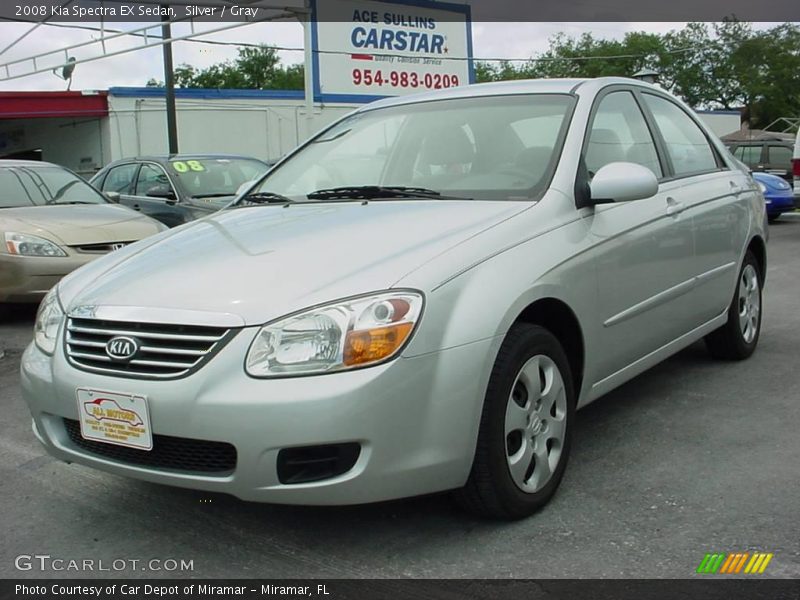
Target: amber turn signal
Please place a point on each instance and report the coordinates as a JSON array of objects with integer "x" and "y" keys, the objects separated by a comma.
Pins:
[{"x": 371, "y": 345}]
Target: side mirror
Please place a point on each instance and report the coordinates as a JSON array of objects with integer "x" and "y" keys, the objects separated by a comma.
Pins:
[
  {"x": 623, "y": 182},
  {"x": 161, "y": 191},
  {"x": 112, "y": 196}
]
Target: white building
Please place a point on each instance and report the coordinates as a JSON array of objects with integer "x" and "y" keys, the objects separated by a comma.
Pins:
[{"x": 86, "y": 130}]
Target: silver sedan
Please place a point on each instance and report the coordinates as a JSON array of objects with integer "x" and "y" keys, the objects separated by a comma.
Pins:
[{"x": 416, "y": 300}]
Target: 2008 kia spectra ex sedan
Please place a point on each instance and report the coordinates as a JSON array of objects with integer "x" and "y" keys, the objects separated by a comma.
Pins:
[{"x": 416, "y": 300}]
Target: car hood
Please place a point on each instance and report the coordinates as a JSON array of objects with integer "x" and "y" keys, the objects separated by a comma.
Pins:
[
  {"x": 79, "y": 224},
  {"x": 261, "y": 263}
]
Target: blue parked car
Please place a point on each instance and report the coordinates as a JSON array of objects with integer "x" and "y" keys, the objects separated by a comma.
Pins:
[{"x": 778, "y": 195}]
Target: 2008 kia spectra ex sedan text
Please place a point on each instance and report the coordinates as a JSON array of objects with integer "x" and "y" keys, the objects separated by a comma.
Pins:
[{"x": 416, "y": 300}]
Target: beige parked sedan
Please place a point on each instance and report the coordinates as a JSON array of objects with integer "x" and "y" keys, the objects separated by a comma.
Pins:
[{"x": 51, "y": 223}]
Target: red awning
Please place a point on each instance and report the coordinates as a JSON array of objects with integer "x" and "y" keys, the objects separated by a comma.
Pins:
[{"x": 34, "y": 105}]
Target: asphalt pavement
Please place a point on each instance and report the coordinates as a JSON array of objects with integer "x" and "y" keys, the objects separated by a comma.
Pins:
[{"x": 695, "y": 456}]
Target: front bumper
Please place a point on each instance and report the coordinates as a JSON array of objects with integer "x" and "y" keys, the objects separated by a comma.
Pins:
[
  {"x": 777, "y": 204},
  {"x": 416, "y": 420},
  {"x": 28, "y": 278}
]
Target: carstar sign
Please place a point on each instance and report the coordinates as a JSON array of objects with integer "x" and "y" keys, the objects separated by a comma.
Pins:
[{"x": 364, "y": 50}]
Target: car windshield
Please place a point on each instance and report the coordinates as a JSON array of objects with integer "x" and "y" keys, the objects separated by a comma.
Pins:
[
  {"x": 500, "y": 147},
  {"x": 22, "y": 186},
  {"x": 215, "y": 177}
]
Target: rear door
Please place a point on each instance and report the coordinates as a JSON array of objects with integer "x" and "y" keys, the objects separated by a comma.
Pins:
[{"x": 714, "y": 198}]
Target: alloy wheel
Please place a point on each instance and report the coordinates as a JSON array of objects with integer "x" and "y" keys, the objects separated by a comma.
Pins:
[
  {"x": 535, "y": 423},
  {"x": 749, "y": 303}
]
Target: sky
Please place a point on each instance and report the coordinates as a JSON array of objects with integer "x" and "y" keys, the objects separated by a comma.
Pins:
[{"x": 490, "y": 40}]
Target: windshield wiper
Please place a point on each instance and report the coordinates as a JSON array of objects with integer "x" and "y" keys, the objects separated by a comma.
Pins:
[
  {"x": 378, "y": 192},
  {"x": 73, "y": 202},
  {"x": 215, "y": 195},
  {"x": 265, "y": 198}
]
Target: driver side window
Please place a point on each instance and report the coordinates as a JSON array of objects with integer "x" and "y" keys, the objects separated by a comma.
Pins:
[
  {"x": 619, "y": 133},
  {"x": 151, "y": 177},
  {"x": 119, "y": 178}
]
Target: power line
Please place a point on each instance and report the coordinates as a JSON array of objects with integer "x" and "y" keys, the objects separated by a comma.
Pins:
[{"x": 343, "y": 52}]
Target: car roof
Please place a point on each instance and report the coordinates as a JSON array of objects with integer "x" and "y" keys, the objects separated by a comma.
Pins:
[
  {"x": 8, "y": 163},
  {"x": 502, "y": 88},
  {"x": 168, "y": 157}
]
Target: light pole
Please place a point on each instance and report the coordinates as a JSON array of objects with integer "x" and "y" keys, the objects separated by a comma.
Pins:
[{"x": 169, "y": 83}]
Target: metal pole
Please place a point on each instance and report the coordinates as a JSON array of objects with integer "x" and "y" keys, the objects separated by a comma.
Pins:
[
  {"x": 169, "y": 84},
  {"x": 308, "y": 69}
]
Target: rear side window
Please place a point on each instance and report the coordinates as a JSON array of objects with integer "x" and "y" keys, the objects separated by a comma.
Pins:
[
  {"x": 749, "y": 155},
  {"x": 619, "y": 133},
  {"x": 686, "y": 143},
  {"x": 779, "y": 155},
  {"x": 119, "y": 179}
]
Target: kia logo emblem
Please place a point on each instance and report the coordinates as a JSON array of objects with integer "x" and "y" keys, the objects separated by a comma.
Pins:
[
  {"x": 122, "y": 348},
  {"x": 117, "y": 246}
]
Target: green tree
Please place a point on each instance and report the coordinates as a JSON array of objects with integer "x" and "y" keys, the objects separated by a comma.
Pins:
[
  {"x": 726, "y": 66},
  {"x": 255, "y": 68}
]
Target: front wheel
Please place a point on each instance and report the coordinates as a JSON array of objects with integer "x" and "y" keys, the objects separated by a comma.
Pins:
[
  {"x": 526, "y": 427},
  {"x": 738, "y": 338}
]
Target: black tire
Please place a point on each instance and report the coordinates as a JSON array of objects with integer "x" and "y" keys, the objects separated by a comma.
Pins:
[
  {"x": 728, "y": 342},
  {"x": 772, "y": 218},
  {"x": 490, "y": 490}
]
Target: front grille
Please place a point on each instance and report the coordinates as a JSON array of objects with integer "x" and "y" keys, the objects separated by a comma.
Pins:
[
  {"x": 103, "y": 248},
  {"x": 168, "y": 453},
  {"x": 165, "y": 351}
]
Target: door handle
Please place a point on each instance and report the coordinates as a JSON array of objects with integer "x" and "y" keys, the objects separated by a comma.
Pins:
[
  {"x": 674, "y": 207},
  {"x": 136, "y": 207}
]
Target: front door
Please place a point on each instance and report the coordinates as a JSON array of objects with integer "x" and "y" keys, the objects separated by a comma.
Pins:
[
  {"x": 643, "y": 250},
  {"x": 163, "y": 207}
]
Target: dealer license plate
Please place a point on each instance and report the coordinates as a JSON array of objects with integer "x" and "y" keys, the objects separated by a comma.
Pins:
[{"x": 114, "y": 418}]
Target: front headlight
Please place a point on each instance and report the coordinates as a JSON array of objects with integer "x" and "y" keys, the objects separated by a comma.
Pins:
[
  {"x": 23, "y": 244},
  {"x": 48, "y": 320},
  {"x": 342, "y": 335}
]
